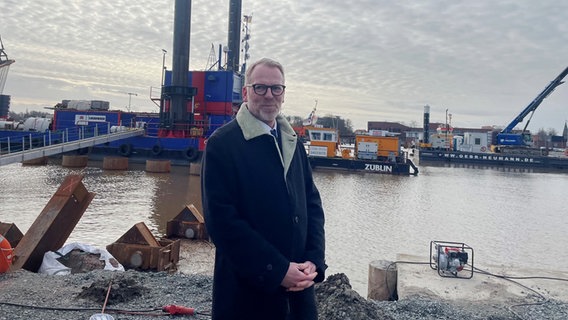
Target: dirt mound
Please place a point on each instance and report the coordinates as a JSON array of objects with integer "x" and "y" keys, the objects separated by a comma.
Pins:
[
  {"x": 337, "y": 300},
  {"x": 79, "y": 261},
  {"x": 122, "y": 289}
]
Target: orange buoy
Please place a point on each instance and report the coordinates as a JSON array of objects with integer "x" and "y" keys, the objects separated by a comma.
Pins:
[{"x": 6, "y": 255}]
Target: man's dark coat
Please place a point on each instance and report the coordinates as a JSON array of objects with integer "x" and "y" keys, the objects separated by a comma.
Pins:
[{"x": 262, "y": 211}]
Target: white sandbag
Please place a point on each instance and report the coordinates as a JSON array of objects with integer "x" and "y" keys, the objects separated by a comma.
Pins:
[{"x": 50, "y": 265}]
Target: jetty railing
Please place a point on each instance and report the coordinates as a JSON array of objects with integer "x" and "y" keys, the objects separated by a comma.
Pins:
[{"x": 21, "y": 146}]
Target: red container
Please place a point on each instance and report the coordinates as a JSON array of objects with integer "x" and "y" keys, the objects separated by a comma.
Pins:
[
  {"x": 198, "y": 81},
  {"x": 218, "y": 108}
]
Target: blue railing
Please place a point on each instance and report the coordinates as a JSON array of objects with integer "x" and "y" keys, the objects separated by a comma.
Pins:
[{"x": 21, "y": 141}]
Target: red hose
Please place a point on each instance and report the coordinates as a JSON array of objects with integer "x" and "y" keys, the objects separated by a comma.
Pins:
[{"x": 174, "y": 309}]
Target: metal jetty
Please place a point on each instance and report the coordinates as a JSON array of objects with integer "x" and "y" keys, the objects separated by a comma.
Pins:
[{"x": 34, "y": 145}]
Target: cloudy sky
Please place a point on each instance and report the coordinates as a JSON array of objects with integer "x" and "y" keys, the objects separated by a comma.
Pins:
[{"x": 365, "y": 60}]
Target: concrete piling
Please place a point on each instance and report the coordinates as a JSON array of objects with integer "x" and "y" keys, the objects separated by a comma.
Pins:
[
  {"x": 382, "y": 280},
  {"x": 195, "y": 169},
  {"x": 115, "y": 163},
  {"x": 41, "y": 161},
  {"x": 74, "y": 161},
  {"x": 158, "y": 166}
]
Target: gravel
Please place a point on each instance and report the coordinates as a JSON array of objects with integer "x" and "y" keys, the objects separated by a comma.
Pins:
[
  {"x": 27, "y": 295},
  {"x": 142, "y": 295}
]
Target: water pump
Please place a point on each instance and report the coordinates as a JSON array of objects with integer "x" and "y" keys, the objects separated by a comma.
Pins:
[{"x": 451, "y": 258}]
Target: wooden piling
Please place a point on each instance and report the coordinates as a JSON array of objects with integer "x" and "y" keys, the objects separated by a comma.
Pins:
[
  {"x": 115, "y": 163},
  {"x": 382, "y": 280}
]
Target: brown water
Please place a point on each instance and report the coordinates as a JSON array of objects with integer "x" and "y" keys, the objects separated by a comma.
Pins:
[{"x": 509, "y": 217}]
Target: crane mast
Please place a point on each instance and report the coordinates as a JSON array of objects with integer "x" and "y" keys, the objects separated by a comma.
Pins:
[{"x": 506, "y": 139}]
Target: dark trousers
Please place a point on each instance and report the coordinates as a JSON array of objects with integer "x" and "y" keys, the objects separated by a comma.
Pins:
[{"x": 302, "y": 305}]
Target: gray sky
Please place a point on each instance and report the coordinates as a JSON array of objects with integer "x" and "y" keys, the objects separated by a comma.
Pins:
[{"x": 364, "y": 60}]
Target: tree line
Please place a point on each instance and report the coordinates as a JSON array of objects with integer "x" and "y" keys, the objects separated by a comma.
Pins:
[
  {"x": 21, "y": 116},
  {"x": 344, "y": 126}
]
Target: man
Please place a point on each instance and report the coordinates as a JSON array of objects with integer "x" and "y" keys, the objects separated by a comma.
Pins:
[{"x": 262, "y": 209}]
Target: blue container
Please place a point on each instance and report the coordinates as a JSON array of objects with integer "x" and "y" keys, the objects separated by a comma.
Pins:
[
  {"x": 151, "y": 123},
  {"x": 238, "y": 83},
  {"x": 168, "y": 78},
  {"x": 217, "y": 88},
  {"x": 217, "y": 121},
  {"x": 65, "y": 119}
]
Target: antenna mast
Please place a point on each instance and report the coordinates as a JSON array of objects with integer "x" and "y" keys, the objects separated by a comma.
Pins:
[{"x": 246, "y": 38}]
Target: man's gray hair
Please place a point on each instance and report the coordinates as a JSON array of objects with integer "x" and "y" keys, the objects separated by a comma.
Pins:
[{"x": 264, "y": 61}]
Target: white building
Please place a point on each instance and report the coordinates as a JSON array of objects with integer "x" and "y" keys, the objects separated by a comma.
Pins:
[{"x": 475, "y": 142}]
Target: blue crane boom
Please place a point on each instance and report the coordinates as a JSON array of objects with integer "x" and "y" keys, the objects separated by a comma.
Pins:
[{"x": 506, "y": 137}]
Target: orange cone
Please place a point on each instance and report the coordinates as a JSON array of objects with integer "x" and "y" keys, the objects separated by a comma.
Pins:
[{"x": 6, "y": 255}]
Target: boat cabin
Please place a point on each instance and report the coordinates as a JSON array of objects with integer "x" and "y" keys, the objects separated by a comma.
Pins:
[{"x": 323, "y": 142}]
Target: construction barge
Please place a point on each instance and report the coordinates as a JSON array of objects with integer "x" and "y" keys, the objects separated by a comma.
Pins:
[
  {"x": 553, "y": 162},
  {"x": 509, "y": 147},
  {"x": 371, "y": 153},
  {"x": 192, "y": 105}
]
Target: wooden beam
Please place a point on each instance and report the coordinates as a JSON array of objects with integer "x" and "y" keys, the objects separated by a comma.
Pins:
[{"x": 52, "y": 227}]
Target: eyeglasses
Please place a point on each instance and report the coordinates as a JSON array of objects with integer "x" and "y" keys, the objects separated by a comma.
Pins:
[{"x": 262, "y": 89}]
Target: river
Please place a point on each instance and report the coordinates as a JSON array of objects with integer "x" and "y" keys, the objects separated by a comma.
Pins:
[{"x": 509, "y": 217}]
